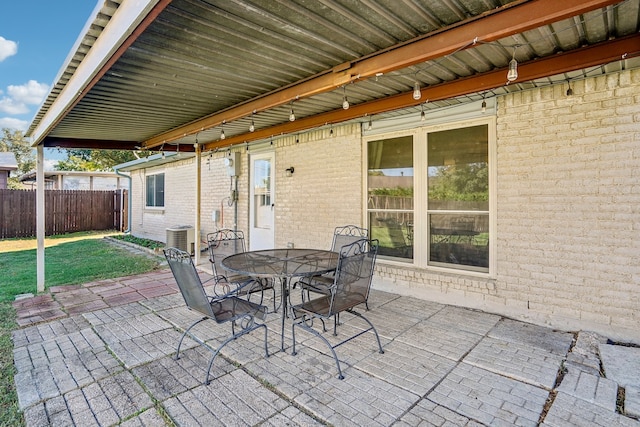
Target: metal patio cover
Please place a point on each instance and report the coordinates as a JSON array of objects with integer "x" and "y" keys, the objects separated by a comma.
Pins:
[{"x": 165, "y": 74}]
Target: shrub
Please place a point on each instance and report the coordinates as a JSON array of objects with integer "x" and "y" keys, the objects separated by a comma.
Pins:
[{"x": 140, "y": 241}]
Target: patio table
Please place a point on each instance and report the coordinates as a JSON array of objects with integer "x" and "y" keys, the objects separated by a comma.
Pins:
[{"x": 282, "y": 264}]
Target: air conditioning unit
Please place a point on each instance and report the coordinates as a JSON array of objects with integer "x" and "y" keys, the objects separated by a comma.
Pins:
[{"x": 182, "y": 237}]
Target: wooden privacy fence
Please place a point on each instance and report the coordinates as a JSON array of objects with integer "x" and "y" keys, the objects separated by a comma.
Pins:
[{"x": 65, "y": 211}]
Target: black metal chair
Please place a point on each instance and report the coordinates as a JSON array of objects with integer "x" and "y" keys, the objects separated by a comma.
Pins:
[
  {"x": 220, "y": 308},
  {"x": 223, "y": 243},
  {"x": 351, "y": 286},
  {"x": 343, "y": 235}
]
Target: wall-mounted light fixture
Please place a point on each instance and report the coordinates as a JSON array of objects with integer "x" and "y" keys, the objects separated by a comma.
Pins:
[
  {"x": 569, "y": 90},
  {"x": 289, "y": 171}
]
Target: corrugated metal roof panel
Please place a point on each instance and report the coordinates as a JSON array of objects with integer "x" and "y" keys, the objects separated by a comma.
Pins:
[{"x": 201, "y": 57}]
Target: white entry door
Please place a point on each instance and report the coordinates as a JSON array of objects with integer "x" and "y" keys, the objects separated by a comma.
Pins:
[{"x": 261, "y": 202}]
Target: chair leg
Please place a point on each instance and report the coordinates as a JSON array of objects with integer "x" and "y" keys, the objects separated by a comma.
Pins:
[
  {"x": 273, "y": 289},
  {"x": 303, "y": 325},
  {"x": 185, "y": 333},
  {"x": 381, "y": 351},
  {"x": 231, "y": 338}
]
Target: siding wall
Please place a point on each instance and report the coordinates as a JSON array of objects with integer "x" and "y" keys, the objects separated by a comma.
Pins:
[{"x": 568, "y": 210}]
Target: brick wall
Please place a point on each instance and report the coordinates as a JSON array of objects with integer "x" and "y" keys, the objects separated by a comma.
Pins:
[
  {"x": 568, "y": 213},
  {"x": 152, "y": 223},
  {"x": 568, "y": 209},
  {"x": 216, "y": 193},
  {"x": 325, "y": 189},
  {"x": 569, "y": 202},
  {"x": 309, "y": 204}
]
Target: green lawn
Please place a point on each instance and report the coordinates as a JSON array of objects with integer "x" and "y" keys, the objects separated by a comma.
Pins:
[{"x": 73, "y": 262}]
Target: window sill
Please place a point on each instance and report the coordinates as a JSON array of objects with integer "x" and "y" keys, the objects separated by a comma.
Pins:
[
  {"x": 434, "y": 269},
  {"x": 153, "y": 210}
]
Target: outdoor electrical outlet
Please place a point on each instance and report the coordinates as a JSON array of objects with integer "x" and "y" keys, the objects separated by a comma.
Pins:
[{"x": 289, "y": 245}]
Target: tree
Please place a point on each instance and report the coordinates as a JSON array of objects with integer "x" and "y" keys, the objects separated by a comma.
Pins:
[
  {"x": 13, "y": 141},
  {"x": 464, "y": 182},
  {"x": 94, "y": 160}
]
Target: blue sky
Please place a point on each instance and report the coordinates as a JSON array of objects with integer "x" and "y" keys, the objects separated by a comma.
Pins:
[{"x": 36, "y": 37}]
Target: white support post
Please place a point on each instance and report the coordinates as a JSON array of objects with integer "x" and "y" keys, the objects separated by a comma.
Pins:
[{"x": 40, "y": 224}]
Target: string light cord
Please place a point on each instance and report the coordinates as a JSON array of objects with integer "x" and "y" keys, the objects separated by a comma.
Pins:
[{"x": 417, "y": 69}]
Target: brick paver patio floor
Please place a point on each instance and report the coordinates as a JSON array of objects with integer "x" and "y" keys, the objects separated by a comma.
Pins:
[{"x": 101, "y": 353}]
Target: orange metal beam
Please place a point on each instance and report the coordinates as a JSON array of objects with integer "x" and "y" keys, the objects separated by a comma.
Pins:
[
  {"x": 599, "y": 54},
  {"x": 496, "y": 24},
  {"x": 96, "y": 144}
]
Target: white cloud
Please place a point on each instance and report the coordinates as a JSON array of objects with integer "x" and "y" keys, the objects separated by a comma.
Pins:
[
  {"x": 10, "y": 106},
  {"x": 11, "y": 123},
  {"x": 7, "y": 48},
  {"x": 31, "y": 93},
  {"x": 50, "y": 164},
  {"x": 20, "y": 97}
]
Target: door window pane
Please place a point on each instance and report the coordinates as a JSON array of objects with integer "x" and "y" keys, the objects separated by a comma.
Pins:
[{"x": 262, "y": 194}]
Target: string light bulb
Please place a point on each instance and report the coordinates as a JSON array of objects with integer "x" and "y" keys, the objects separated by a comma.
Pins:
[
  {"x": 512, "y": 74},
  {"x": 370, "y": 124},
  {"x": 484, "y": 105},
  {"x": 222, "y": 135},
  {"x": 345, "y": 102},
  {"x": 569, "y": 90},
  {"x": 423, "y": 116},
  {"x": 292, "y": 116},
  {"x": 417, "y": 94},
  {"x": 252, "y": 126}
]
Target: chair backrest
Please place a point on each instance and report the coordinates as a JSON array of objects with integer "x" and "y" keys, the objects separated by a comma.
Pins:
[
  {"x": 223, "y": 243},
  {"x": 346, "y": 235},
  {"x": 188, "y": 280},
  {"x": 354, "y": 274}
]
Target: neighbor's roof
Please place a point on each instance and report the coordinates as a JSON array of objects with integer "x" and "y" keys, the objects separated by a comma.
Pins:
[
  {"x": 159, "y": 74},
  {"x": 8, "y": 161}
]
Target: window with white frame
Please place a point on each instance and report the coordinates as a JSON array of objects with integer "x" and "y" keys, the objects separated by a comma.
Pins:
[
  {"x": 390, "y": 197},
  {"x": 155, "y": 190},
  {"x": 428, "y": 195}
]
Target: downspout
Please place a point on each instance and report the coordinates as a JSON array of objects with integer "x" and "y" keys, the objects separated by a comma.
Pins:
[{"x": 129, "y": 198}]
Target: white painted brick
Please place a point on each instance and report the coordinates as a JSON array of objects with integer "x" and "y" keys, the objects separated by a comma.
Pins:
[
  {"x": 601, "y": 165},
  {"x": 567, "y": 219}
]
